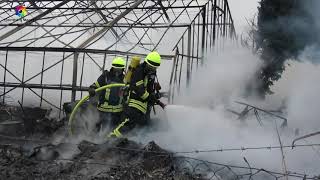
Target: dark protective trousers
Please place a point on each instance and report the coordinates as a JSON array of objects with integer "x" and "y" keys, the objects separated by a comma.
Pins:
[{"x": 136, "y": 119}]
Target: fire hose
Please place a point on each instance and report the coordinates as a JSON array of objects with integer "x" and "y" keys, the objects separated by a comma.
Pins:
[{"x": 84, "y": 99}]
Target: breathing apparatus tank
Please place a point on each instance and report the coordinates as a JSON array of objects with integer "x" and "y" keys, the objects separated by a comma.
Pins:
[{"x": 135, "y": 61}]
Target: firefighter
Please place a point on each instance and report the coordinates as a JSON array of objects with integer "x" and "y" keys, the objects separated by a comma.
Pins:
[
  {"x": 142, "y": 95},
  {"x": 110, "y": 104}
]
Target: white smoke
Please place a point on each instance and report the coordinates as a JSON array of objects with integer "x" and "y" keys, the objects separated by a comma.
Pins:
[
  {"x": 200, "y": 121},
  {"x": 302, "y": 92},
  {"x": 223, "y": 78}
]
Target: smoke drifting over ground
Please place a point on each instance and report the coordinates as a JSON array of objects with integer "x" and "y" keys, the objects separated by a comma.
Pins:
[
  {"x": 223, "y": 78},
  {"x": 200, "y": 121},
  {"x": 299, "y": 86}
]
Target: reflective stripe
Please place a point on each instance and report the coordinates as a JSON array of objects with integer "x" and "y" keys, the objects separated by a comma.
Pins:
[
  {"x": 145, "y": 82},
  {"x": 112, "y": 110},
  {"x": 138, "y": 107},
  {"x": 107, "y": 94},
  {"x": 97, "y": 84},
  {"x": 139, "y": 83},
  {"x": 145, "y": 95},
  {"x": 142, "y": 106},
  {"x": 116, "y": 132},
  {"x": 108, "y": 108},
  {"x": 127, "y": 99}
]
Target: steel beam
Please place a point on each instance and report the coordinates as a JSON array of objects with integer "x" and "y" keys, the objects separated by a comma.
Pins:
[
  {"x": 74, "y": 76},
  {"x": 203, "y": 33},
  {"x": 111, "y": 23},
  {"x": 224, "y": 17},
  {"x": 44, "y": 86},
  {"x": 214, "y": 21},
  {"x": 103, "y": 17},
  {"x": 48, "y": 32},
  {"x": 50, "y": 49},
  {"x": 32, "y": 20},
  {"x": 188, "y": 57},
  {"x": 117, "y": 8},
  {"x": 153, "y": 26}
]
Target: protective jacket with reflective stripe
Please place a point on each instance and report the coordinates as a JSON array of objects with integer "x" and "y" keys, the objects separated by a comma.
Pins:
[
  {"x": 110, "y": 100},
  {"x": 141, "y": 86}
]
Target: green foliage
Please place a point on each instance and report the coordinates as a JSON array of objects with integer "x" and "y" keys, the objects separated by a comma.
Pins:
[{"x": 285, "y": 28}]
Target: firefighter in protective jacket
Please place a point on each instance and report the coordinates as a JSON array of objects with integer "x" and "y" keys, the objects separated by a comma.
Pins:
[
  {"x": 142, "y": 95},
  {"x": 110, "y": 103}
]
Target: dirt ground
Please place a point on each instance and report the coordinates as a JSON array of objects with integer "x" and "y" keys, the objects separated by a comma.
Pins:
[{"x": 26, "y": 152}]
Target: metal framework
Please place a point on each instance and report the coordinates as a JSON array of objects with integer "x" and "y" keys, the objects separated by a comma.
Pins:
[{"x": 61, "y": 40}]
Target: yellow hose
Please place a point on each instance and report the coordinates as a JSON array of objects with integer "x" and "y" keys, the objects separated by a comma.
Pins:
[{"x": 85, "y": 99}]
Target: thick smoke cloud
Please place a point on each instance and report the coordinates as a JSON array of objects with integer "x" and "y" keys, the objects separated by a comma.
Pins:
[
  {"x": 284, "y": 30},
  {"x": 199, "y": 120},
  {"x": 223, "y": 78}
]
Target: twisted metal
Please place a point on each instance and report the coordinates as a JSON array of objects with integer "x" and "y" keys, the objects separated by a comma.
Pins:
[{"x": 195, "y": 168}]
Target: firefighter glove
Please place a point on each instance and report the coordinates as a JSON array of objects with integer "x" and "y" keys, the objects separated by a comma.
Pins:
[
  {"x": 157, "y": 86},
  {"x": 152, "y": 98},
  {"x": 92, "y": 92}
]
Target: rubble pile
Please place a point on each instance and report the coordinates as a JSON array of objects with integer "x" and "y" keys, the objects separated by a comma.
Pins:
[
  {"x": 21, "y": 121},
  {"x": 26, "y": 152},
  {"x": 118, "y": 159}
]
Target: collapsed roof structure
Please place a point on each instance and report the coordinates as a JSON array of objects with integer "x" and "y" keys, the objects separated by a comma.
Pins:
[{"x": 46, "y": 52}]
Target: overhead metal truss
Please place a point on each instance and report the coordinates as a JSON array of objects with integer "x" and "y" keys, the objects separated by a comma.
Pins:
[{"x": 94, "y": 31}]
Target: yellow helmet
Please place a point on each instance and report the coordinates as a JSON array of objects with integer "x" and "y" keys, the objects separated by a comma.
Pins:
[
  {"x": 118, "y": 63},
  {"x": 153, "y": 59}
]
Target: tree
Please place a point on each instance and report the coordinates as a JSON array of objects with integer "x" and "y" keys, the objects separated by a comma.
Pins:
[{"x": 285, "y": 28}]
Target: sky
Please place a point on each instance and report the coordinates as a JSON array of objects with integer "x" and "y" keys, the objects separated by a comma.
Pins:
[{"x": 242, "y": 10}]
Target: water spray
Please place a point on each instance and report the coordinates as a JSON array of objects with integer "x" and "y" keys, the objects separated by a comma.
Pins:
[{"x": 84, "y": 99}]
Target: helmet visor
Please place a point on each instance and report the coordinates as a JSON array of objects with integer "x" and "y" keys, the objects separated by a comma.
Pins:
[
  {"x": 151, "y": 69},
  {"x": 118, "y": 71},
  {"x": 118, "y": 66},
  {"x": 152, "y": 63}
]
